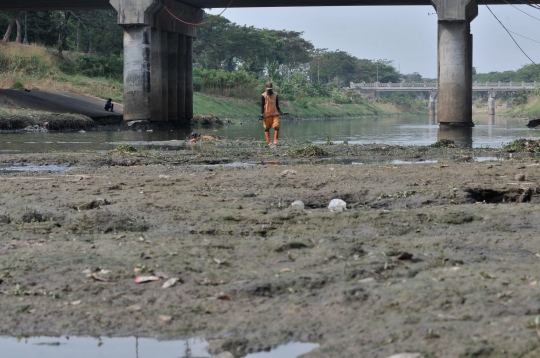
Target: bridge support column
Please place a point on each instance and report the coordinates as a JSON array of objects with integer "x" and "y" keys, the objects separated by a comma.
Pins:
[
  {"x": 454, "y": 104},
  {"x": 491, "y": 101},
  {"x": 182, "y": 73},
  {"x": 158, "y": 59},
  {"x": 431, "y": 103},
  {"x": 172, "y": 64},
  {"x": 136, "y": 72}
]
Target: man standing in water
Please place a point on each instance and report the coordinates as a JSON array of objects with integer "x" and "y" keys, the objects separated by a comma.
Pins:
[{"x": 270, "y": 114}]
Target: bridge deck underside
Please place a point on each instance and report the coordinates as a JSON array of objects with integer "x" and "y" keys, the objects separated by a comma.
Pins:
[{"x": 104, "y": 4}]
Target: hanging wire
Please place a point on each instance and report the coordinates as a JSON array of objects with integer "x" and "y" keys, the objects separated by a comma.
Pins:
[
  {"x": 521, "y": 10},
  {"x": 525, "y": 3},
  {"x": 530, "y": 59},
  {"x": 515, "y": 33},
  {"x": 200, "y": 23}
]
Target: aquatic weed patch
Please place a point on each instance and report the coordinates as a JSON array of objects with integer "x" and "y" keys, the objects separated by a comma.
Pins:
[
  {"x": 124, "y": 149},
  {"x": 443, "y": 143},
  {"x": 523, "y": 145},
  {"x": 309, "y": 151}
]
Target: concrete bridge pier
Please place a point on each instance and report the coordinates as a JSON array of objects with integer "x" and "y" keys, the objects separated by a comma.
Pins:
[
  {"x": 491, "y": 101},
  {"x": 158, "y": 59},
  {"x": 432, "y": 102},
  {"x": 454, "y": 105}
]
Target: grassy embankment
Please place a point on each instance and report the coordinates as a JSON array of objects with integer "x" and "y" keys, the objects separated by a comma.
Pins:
[
  {"x": 233, "y": 108},
  {"x": 530, "y": 109},
  {"x": 37, "y": 68}
]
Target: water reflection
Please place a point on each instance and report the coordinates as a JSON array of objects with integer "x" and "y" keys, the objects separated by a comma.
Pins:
[
  {"x": 129, "y": 347},
  {"x": 462, "y": 136}
]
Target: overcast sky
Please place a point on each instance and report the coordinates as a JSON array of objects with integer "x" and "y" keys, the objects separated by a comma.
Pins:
[{"x": 405, "y": 34}]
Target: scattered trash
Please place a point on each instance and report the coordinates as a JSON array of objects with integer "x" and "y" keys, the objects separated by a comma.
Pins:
[
  {"x": 95, "y": 277},
  {"x": 407, "y": 355},
  {"x": 134, "y": 308},
  {"x": 222, "y": 296},
  {"x": 288, "y": 172},
  {"x": 286, "y": 269},
  {"x": 225, "y": 355},
  {"x": 337, "y": 205},
  {"x": 166, "y": 177},
  {"x": 143, "y": 279},
  {"x": 171, "y": 282},
  {"x": 164, "y": 318},
  {"x": 222, "y": 262},
  {"x": 162, "y": 275},
  {"x": 366, "y": 280},
  {"x": 76, "y": 303},
  {"x": 87, "y": 271},
  {"x": 298, "y": 204},
  {"x": 207, "y": 282}
]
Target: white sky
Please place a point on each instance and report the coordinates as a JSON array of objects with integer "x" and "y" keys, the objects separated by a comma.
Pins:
[{"x": 405, "y": 34}]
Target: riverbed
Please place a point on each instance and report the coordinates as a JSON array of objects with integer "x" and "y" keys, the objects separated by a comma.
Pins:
[{"x": 436, "y": 252}]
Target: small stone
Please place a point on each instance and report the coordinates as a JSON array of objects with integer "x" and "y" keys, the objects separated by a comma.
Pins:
[{"x": 520, "y": 177}]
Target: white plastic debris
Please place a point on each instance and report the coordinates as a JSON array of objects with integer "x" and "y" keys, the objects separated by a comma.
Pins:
[
  {"x": 337, "y": 205},
  {"x": 297, "y": 204}
]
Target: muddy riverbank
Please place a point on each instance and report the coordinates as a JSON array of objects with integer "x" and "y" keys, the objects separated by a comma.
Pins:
[{"x": 440, "y": 257}]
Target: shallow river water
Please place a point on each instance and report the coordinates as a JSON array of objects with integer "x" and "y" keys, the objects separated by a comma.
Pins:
[
  {"x": 490, "y": 131},
  {"x": 128, "y": 347}
]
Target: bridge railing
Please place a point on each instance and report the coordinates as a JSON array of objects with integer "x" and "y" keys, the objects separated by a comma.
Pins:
[{"x": 433, "y": 85}]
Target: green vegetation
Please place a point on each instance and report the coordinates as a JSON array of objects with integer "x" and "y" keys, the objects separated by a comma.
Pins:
[
  {"x": 231, "y": 65},
  {"x": 527, "y": 73},
  {"x": 523, "y": 145},
  {"x": 444, "y": 143},
  {"x": 309, "y": 151}
]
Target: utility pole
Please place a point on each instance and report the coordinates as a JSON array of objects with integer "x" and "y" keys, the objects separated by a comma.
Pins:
[{"x": 25, "y": 41}]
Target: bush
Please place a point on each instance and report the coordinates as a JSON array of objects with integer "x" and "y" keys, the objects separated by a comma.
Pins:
[
  {"x": 17, "y": 85},
  {"x": 92, "y": 66}
]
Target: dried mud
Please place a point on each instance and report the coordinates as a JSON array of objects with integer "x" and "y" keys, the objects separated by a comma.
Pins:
[{"x": 436, "y": 258}]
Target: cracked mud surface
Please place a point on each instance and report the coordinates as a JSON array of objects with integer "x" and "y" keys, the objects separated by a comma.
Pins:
[{"x": 437, "y": 258}]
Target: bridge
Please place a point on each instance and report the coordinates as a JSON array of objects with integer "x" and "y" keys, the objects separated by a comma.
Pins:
[
  {"x": 158, "y": 49},
  {"x": 371, "y": 90},
  {"x": 433, "y": 86}
]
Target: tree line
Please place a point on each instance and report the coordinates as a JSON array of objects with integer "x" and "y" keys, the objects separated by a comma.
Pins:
[
  {"x": 81, "y": 31},
  {"x": 229, "y": 59}
]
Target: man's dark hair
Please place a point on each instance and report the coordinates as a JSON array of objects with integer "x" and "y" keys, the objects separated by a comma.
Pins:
[{"x": 269, "y": 85}]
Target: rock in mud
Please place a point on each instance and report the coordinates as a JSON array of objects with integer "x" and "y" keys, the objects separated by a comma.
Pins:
[
  {"x": 519, "y": 177},
  {"x": 94, "y": 204},
  {"x": 291, "y": 245}
]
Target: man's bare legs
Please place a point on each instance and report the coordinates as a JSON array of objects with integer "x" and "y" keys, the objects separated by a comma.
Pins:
[
  {"x": 276, "y": 135},
  {"x": 267, "y": 136}
]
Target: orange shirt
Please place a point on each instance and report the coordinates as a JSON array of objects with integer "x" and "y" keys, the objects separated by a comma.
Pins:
[{"x": 270, "y": 104}]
